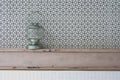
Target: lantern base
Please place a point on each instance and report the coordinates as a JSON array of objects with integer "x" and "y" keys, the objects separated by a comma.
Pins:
[{"x": 30, "y": 46}]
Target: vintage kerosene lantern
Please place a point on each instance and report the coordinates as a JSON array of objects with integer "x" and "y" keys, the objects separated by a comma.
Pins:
[{"x": 35, "y": 31}]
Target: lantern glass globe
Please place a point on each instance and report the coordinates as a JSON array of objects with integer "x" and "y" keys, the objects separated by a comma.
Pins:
[{"x": 35, "y": 31}]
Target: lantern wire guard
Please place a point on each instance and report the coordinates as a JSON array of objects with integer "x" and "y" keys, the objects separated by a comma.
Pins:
[{"x": 35, "y": 30}]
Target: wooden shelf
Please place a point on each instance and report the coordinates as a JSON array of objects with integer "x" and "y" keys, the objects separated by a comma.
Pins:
[{"x": 60, "y": 59}]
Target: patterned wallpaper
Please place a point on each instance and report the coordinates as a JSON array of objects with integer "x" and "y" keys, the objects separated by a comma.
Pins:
[{"x": 67, "y": 23}]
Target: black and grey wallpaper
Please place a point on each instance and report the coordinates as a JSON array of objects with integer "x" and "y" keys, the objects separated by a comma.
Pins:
[{"x": 67, "y": 23}]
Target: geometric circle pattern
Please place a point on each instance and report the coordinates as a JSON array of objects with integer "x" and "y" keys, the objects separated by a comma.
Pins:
[{"x": 67, "y": 23}]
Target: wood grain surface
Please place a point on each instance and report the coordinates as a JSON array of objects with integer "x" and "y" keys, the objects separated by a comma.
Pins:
[{"x": 60, "y": 59}]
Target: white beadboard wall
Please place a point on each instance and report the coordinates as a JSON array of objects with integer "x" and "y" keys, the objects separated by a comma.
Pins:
[{"x": 59, "y": 75}]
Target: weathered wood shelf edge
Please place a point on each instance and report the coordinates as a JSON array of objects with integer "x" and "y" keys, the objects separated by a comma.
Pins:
[{"x": 60, "y": 59}]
